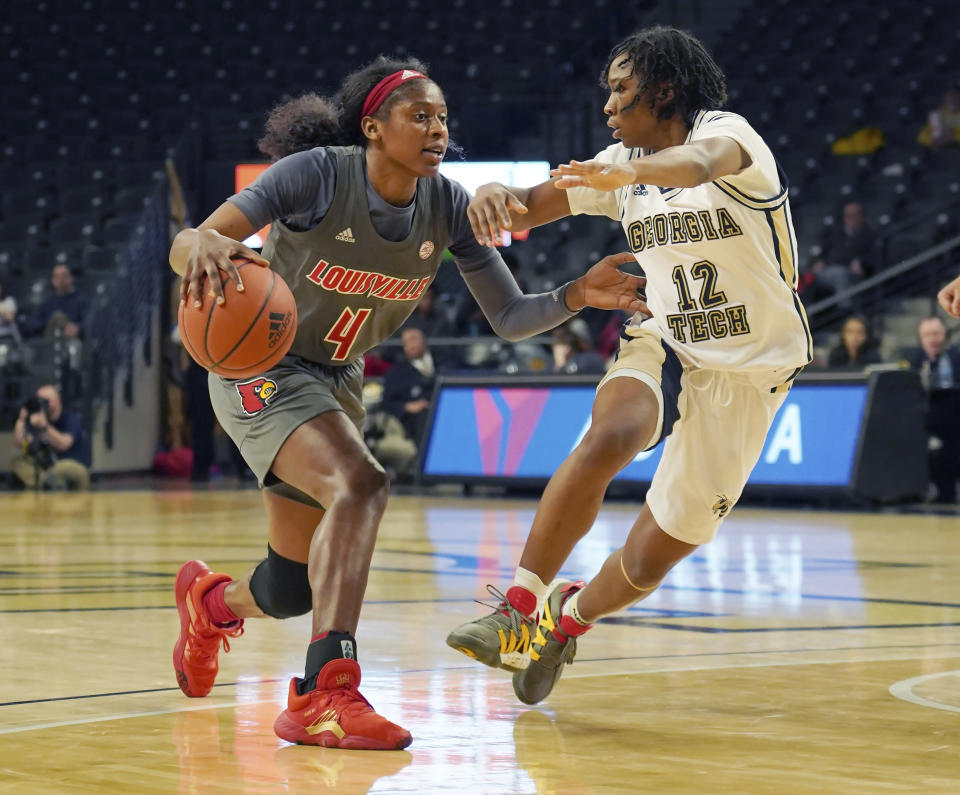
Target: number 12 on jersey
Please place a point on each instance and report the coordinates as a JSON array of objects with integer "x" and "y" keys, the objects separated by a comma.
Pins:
[
  {"x": 711, "y": 322},
  {"x": 344, "y": 332}
]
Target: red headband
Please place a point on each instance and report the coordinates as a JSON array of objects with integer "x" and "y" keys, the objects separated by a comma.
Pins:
[{"x": 386, "y": 87}]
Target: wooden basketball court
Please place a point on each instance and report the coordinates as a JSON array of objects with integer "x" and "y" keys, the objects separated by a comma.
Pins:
[{"x": 800, "y": 652}]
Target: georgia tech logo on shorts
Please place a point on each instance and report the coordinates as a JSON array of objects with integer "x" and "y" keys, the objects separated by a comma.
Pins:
[
  {"x": 255, "y": 395},
  {"x": 722, "y": 506}
]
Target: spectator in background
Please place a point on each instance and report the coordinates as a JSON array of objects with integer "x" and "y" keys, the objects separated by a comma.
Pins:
[
  {"x": 390, "y": 445},
  {"x": 65, "y": 310},
  {"x": 943, "y": 124},
  {"x": 857, "y": 348},
  {"x": 55, "y": 453},
  {"x": 430, "y": 318},
  {"x": 573, "y": 351},
  {"x": 608, "y": 341},
  {"x": 375, "y": 364},
  {"x": 408, "y": 385},
  {"x": 848, "y": 253},
  {"x": 9, "y": 333},
  {"x": 939, "y": 368}
]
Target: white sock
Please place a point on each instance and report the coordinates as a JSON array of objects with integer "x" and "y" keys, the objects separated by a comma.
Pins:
[
  {"x": 530, "y": 581},
  {"x": 570, "y": 609}
]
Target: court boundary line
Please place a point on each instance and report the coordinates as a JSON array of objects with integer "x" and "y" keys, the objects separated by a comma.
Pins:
[{"x": 904, "y": 691}]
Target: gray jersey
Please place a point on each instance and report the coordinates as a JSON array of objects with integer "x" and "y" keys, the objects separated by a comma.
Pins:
[
  {"x": 354, "y": 288},
  {"x": 357, "y": 266}
]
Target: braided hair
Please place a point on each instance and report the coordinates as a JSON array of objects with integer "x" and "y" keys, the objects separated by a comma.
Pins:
[{"x": 667, "y": 55}]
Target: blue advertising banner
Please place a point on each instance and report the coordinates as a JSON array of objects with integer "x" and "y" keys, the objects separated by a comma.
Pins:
[{"x": 526, "y": 431}]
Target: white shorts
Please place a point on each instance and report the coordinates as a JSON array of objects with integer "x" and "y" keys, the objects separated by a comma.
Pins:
[{"x": 715, "y": 421}]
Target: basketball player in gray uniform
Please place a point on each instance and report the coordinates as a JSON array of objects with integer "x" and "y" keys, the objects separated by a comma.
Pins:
[{"x": 358, "y": 232}]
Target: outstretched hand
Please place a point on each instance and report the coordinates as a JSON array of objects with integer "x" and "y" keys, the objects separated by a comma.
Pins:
[
  {"x": 949, "y": 298},
  {"x": 592, "y": 174},
  {"x": 605, "y": 286},
  {"x": 489, "y": 213}
]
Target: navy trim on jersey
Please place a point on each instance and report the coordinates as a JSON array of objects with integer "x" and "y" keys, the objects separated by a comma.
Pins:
[
  {"x": 794, "y": 250},
  {"x": 753, "y": 202},
  {"x": 671, "y": 386},
  {"x": 754, "y": 199},
  {"x": 796, "y": 300},
  {"x": 793, "y": 375},
  {"x": 768, "y": 214},
  {"x": 803, "y": 322},
  {"x": 772, "y": 204},
  {"x": 784, "y": 186}
]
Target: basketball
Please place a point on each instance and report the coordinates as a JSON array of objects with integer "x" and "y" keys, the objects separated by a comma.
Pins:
[{"x": 250, "y": 332}]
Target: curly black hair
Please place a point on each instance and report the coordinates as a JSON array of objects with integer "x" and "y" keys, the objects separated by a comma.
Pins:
[
  {"x": 667, "y": 55},
  {"x": 300, "y": 124},
  {"x": 358, "y": 84}
]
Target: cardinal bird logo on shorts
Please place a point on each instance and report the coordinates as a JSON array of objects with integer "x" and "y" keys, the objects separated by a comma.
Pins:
[{"x": 255, "y": 395}]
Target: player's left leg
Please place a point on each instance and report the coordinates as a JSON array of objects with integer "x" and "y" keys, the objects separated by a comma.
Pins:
[
  {"x": 625, "y": 417},
  {"x": 572, "y": 607},
  {"x": 634, "y": 406},
  {"x": 705, "y": 465},
  {"x": 212, "y": 605}
]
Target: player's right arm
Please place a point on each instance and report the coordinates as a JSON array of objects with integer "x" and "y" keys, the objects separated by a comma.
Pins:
[
  {"x": 497, "y": 209},
  {"x": 208, "y": 248},
  {"x": 298, "y": 188}
]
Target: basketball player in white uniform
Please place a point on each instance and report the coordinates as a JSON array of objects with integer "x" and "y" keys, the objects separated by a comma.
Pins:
[{"x": 704, "y": 208}]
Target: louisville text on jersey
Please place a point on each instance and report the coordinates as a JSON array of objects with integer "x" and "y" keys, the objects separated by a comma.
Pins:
[
  {"x": 350, "y": 281},
  {"x": 687, "y": 227}
]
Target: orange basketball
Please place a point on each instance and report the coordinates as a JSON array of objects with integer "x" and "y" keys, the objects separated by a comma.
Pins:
[{"x": 250, "y": 332}]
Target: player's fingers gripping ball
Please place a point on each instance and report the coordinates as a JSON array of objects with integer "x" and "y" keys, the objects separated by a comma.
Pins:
[{"x": 250, "y": 332}]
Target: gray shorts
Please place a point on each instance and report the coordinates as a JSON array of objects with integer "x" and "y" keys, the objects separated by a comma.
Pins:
[{"x": 260, "y": 413}]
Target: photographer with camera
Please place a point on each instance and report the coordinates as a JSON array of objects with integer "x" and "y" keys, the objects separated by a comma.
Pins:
[{"x": 55, "y": 454}]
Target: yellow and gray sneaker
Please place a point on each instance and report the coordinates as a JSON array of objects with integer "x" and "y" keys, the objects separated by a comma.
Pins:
[
  {"x": 501, "y": 639},
  {"x": 552, "y": 648}
]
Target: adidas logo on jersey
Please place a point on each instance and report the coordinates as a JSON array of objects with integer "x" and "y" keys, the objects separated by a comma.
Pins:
[
  {"x": 639, "y": 190},
  {"x": 346, "y": 236}
]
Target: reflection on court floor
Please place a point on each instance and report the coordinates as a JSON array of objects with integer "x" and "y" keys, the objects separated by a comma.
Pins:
[{"x": 800, "y": 651}]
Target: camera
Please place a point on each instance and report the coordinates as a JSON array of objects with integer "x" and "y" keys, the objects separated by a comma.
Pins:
[
  {"x": 35, "y": 403},
  {"x": 37, "y": 449}
]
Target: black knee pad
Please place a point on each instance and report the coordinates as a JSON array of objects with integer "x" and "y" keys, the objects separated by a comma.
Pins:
[{"x": 281, "y": 587}]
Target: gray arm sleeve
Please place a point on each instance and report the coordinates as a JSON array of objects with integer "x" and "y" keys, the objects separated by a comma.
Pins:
[{"x": 511, "y": 314}]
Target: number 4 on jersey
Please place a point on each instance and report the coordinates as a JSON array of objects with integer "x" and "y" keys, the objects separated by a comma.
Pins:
[{"x": 344, "y": 332}]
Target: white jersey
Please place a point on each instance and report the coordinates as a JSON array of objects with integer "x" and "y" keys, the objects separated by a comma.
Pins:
[{"x": 720, "y": 259}]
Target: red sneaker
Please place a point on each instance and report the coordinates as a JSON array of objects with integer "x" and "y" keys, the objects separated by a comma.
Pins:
[
  {"x": 335, "y": 715},
  {"x": 195, "y": 655}
]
